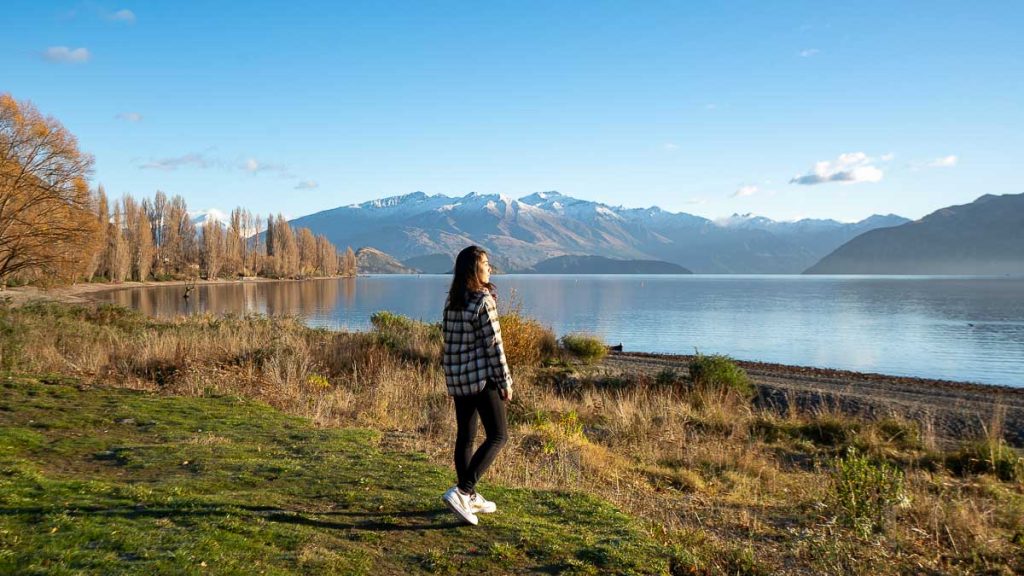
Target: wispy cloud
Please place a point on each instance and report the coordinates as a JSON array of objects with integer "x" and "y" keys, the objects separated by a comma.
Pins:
[
  {"x": 63, "y": 54},
  {"x": 254, "y": 166},
  {"x": 848, "y": 168},
  {"x": 743, "y": 191},
  {"x": 809, "y": 52},
  {"x": 711, "y": 106},
  {"x": 887, "y": 157},
  {"x": 670, "y": 146},
  {"x": 307, "y": 185},
  {"x": 129, "y": 116},
  {"x": 194, "y": 160},
  {"x": 126, "y": 16},
  {"x": 944, "y": 162}
]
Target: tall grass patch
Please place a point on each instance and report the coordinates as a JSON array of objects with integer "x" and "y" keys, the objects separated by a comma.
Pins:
[{"x": 865, "y": 492}]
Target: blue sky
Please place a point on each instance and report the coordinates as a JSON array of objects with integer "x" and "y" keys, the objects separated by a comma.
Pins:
[{"x": 782, "y": 109}]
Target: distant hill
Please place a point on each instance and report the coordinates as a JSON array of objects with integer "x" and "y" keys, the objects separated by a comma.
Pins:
[
  {"x": 521, "y": 233},
  {"x": 602, "y": 265},
  {"x": 431, "y": 263},
  {"x": 983, "y": 237},
  {"x": 373, "y": 261}
]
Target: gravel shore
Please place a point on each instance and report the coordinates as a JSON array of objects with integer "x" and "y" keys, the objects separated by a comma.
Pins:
[{"x": 951, "y": 411}]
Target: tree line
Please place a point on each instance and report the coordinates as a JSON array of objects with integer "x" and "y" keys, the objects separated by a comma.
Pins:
[{"x": 54, "y": 227}]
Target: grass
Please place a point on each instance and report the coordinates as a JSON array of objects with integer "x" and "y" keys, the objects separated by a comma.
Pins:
[
  {"x": 714, "y": 484},
  {"x": 119, "y": 481}
]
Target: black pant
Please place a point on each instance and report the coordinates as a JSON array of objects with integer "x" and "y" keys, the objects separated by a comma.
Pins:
[{"x": 489, "y": 405}]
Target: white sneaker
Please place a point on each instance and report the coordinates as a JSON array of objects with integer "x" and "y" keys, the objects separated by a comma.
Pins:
[
  {"x": 460, "y": 505},
  {"x": 478, "y": 504}
]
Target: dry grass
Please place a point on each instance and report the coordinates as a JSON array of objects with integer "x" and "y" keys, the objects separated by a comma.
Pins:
[{"x": 733, "y": 489}]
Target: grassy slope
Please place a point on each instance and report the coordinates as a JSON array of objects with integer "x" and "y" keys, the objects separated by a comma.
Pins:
[{"x": 115, "y": 481}]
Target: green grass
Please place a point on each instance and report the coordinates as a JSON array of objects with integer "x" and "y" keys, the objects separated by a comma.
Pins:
[{"x": 111, "y": 481}]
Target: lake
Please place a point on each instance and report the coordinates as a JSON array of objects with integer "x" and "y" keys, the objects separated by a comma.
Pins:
[{"x": 956, "y": 328}]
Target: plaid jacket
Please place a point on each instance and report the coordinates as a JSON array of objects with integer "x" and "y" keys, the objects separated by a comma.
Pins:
[{"x": 473, "y": 351}]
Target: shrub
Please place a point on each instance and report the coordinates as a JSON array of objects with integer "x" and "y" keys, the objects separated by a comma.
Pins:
[
  {"x": 409, "y": 338},
  {"x": 719, "y": 373},
  {"x": 527, "y": 342},
  {"x": 829, "y": 430},
  {"x": 587, "y": 348},
  {"x": 864, "y": 492},
  {"x": 987, "y": 457}
]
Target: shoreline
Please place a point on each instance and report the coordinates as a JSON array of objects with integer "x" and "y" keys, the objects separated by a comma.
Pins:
[
  {"x": 77, "y": 293},
  {"x": 954, "y": 411}
]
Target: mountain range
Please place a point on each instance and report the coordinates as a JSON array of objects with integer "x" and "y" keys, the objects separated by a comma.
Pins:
[{"x": 520, "y": 233}]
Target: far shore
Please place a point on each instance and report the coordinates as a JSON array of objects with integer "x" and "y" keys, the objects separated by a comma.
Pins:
[{"x": 74, "y": 293}]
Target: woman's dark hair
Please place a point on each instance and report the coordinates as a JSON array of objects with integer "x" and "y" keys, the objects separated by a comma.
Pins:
[{"x": 467, "y": 276}]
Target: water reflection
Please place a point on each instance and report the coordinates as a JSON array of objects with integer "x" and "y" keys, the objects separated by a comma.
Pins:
[{"x": 955, "y": 328}]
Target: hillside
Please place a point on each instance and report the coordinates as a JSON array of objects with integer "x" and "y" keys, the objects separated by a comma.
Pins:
[
  {"x": 113, "y": 481},
  {"x": 601, "y": 265},
  {"x": 983, "y": 237},
  {"x": 373, "y": 261}
]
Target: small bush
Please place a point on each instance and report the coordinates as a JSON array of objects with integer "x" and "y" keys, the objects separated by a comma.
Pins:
[
  {"x": 587, "y": 348},
  {"x": 527, "y": 342},
  {"x": 829, "y": 430},
  {"x": 409, "y": 338},
  {"x": 718, "y": 373},
  {"x": 903, "y": 434},
  {"x": 987, "y": 457},
  {"x": 864, "y": 492}
]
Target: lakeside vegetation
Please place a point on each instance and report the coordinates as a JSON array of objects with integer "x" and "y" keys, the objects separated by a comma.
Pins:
[
  {"x": 54, "y": 228},
  {"x": 716, "y": 485}
]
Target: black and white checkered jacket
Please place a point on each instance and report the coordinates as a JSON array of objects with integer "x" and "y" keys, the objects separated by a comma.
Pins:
[{"x": 473, "y": 351}]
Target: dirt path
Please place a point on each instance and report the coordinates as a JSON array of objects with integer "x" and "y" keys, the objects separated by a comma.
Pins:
[{"x": 951, "y": 410}]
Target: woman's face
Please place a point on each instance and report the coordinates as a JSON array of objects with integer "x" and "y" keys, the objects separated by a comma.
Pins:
[{"x": 483, "y": 271}]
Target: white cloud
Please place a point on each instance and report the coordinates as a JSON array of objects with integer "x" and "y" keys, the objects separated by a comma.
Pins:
[
  {"x": 887, "y": 157},
  {"x": 193, "y": 159},
  {"x": 307, "y": 185},
  {"x": 848, "y": 168},
  {"x": 809, "y": 52},
  {"x": 129, "y": 116},
  {"x": 944, "y": 162},
  {"x": 66, "y": 55},
  {"x": 711, "y": 106},
  {"x": 671, "y": 147},
  {"x": 743, "y": 191},
  {"x": 122, "y": 16}
]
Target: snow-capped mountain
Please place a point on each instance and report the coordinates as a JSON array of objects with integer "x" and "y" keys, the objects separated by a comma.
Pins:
[{"x": 521, "y": 232}]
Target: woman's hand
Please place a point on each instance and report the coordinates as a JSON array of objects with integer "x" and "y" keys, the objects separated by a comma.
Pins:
[{"x": 505, "y": 393}]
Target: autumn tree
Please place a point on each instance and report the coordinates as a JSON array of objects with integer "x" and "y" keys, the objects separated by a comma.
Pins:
[
  {"x": 140, "y": 238},
  {"x": 119, "y": 258},
  {"x": 306, "y": 244},
  {"x": 213, "y": 248},
  {"x": 349, "y": 264},
  {"x": 46, "y": 217}
]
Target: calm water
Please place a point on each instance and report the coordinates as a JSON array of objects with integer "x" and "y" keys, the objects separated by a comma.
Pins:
[{"x": 968, "y": 329}]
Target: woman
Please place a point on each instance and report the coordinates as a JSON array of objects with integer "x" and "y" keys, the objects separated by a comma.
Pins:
[{"x": 477, "y": 378}]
